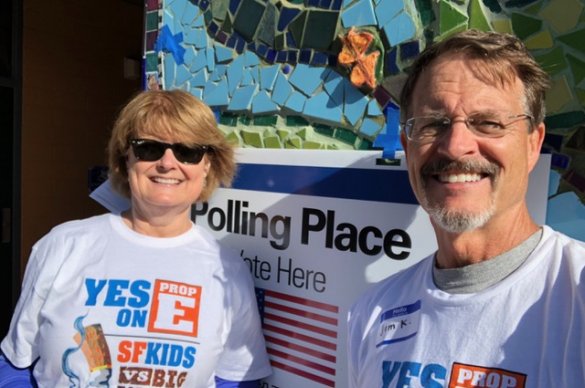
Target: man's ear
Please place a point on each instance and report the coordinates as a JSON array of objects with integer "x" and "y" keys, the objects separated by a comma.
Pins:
[
  {"x": 404, "y": 143},
  {"x": 535, "y": 140}
]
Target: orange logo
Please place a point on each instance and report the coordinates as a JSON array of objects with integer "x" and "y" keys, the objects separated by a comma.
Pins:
[
  {"x": 175, "y": 308},
  {"x": 470, "y": 376}
]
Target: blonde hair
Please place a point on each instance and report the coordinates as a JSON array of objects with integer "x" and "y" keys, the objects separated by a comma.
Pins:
[{"x": 173, "y": 114}]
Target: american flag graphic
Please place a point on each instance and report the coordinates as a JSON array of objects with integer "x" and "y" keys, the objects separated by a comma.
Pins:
[{"x": 301, "y": 335}]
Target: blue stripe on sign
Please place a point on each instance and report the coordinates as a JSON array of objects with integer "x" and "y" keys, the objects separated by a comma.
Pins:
[{"x": 347, "y": 183}]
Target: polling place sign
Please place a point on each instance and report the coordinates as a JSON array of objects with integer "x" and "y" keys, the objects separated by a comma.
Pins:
[{"x": 317, "y": 228}]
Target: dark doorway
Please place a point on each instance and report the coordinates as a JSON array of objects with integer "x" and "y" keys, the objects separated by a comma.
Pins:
[{"x": 10, "y": 107}]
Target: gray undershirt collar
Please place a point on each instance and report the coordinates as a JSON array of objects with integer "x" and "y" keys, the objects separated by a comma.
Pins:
[{"x": 478, "y": 277}]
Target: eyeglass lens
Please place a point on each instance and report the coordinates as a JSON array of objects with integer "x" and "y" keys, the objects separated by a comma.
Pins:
[{"x": 152, "y": 150}]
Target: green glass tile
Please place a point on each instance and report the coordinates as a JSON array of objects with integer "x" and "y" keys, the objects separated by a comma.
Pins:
[
  {"x": 345, "y": 136},
  {"x": 219, "y": 9},
  {"x": 151, "y": 62},
  {"x": 581, "y": 95},
  {"x": 450, "y": 18},
  {"x": 272, "y": 142},
  {"x": 559, "y": 95},
  {"x": 297, "y": 27},
  {"x": 151, "y": 21},
  {"x": 248, "y": 18},
  {"x": 425, "y": 10},
  {"x": 227, "y": 26},
  {"x": 502, "y": 25},
  {"x": 267, "y": 25},
  {"x": 524, "y": 26},
  {"x": 577, "y": 140},
  {"x": 251, "y": 138},
  {"x": 279, "y": 41},
  {"x": 296, "y": 121},
  {"x": 324, "y": 130},
  {"x": 228, "y": 119},
  {"x": 477, "y": 18},
  {"x": 312, "y": 145},
  {"x": 320, "y": 29},
  {"x": 293, "y": 143},
  {"x": 282, "y": 134},
  {"x": 245, "y": 120},
  {"x": 554, "y": 61},
  {"x": 332, "y": 147},
  {"x": 265, "y": 120},
  {"x": 562, "y": 15},
  {"x": 565, "y": 120},
  {"x": 364, "y": 145},
  {"x": 207, "y": 16},
  {"x": 577, "y": 68},
  {"x": 234, "y": 138},
  {"x": 533, "y": 9},
  {"x": 540, "y": 40},
  {"x": 575, "y": 40}
]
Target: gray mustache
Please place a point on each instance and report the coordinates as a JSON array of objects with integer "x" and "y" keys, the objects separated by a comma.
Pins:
[{"x": 444, "y": 165}]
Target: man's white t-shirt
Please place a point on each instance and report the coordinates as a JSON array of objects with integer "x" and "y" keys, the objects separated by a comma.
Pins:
[
  {"x": 104, "y": 305},
  {"x": 526, "y": 331}
]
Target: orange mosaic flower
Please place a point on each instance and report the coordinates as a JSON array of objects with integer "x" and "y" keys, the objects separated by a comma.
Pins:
[{"x": 354, "y": 56}]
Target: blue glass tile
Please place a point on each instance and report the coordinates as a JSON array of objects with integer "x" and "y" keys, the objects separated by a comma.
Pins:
[
  {"x": 409, "y": 50},
  {"x": 332, "y": 60},
  {"x": 247, "y": 78},
  {"x": 336, "y": 5},
  {"x": 169, "y": 67},
  {"x": 263, "y": 104},
  {"x": 182, "y": 75},
  {"x": 400, "y": 29},
  {"x": 190, "y": 55},
  {"x": 387, "y": 10},
  {"x": 199, "y": 79},
  {"x": 199, "y": 21},
  {"x": 370, "y": 127},
  {"x": 390, "y": 62},
  {"x": 290, "y": 40},
  {"x": 197, "y": 92},
  {"x": 355, "y": 104},
  {"x": 374, "y": 108},
  {"x": 286, "y": 16},
  {"x": 305, "y": 56},
  {"x": 218, "y": 73},
  {"x": 177, "y": 7},
  {"x": 242, "y": 98},
  {"x": 268, "y": 76},
  {"x": 216, "y": 94},
  {"x": 251, "y": 59},
  {"x": 319, "y": 59},
  {"x": 203, "y": 4},
  {"x": 169, "y": 21},
  {"x": 286, "y": 68},
  {"x": 261, "y": 49},
  {"x": 296, "y": 102},
  {"x": 281, "y": 56},
  {"x": 325, "y": 4},
  {"x": 282, "y": 90},
  {"x": 231, "y": 42},
  {"x": 270, "y": 56},
  {"x": 312, "y": 3},
  {"x": 233, "y": 6},
  {"x": 199, "y": 62},
  {"x": 189, "y": 13},
  {"x": 222, "y": 54},
  {"x": 361, "y": 13},
  {"x": 212, "y": 28},
  {"x": 240, "y": 45},
  {"x": 307, "y": 79},
  {"x": 318, "y": 107},
  {"x": 293, "y": 56},
  {"x": 235, "y": 72},
  {"x": 210, "y": 55},
  {"x": 334, "y": 86},
  {"x": 251, "y": 46}
]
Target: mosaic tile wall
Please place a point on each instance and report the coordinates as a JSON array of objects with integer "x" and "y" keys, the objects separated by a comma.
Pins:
[{"x": 324, "y": 74}]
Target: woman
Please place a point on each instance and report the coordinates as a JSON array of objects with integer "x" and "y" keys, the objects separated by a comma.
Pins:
[{"x": 145, "y": 297}]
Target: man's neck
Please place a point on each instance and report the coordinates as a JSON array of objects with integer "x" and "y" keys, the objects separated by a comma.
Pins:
[{"x": 472, "y": 247}]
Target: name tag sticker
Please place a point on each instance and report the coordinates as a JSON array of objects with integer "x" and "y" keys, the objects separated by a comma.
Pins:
[{"x": 399, "y": 324}]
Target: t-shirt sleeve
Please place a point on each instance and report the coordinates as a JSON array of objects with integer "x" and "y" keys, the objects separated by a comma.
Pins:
[
  {"x": 244, "y": 355},
  {"x": 20, "y": 344}
]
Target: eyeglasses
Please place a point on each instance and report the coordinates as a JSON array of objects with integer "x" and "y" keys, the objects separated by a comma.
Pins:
[
  {"x": 427, "y": 129},
  {"x": 152, "y": 150}
]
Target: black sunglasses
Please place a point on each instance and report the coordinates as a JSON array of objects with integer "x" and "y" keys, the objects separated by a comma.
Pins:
[{"x": 151, "y": 150}]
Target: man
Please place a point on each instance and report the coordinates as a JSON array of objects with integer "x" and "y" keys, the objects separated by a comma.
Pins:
[{"x": 502, "y": 301}]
